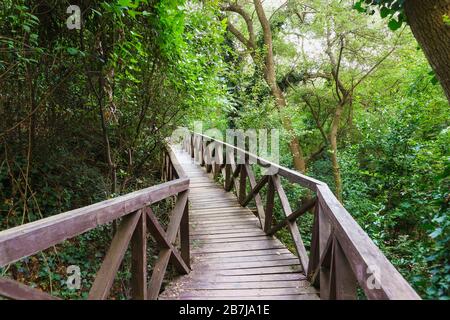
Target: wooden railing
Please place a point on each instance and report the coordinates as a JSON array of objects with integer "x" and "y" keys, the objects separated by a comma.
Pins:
[
  {"x": 341, "y": 255},
  {"x": 136, "y": 217}
]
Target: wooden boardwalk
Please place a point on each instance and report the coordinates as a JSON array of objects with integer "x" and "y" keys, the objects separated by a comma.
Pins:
[{"x": 231, "y": 257}]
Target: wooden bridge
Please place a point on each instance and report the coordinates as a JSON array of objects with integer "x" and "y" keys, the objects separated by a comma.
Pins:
[{"x": 224, "y": 246}]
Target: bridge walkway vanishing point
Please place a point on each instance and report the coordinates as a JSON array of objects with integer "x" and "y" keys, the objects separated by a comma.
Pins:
[
  {"x": 220, "y": 247},
  {"x": 231, "y": 257}
]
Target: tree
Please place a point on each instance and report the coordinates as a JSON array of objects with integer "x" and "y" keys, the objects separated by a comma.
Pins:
[
  {"x": 429, "y": 22},
  {"x": 268, "y": 68}
]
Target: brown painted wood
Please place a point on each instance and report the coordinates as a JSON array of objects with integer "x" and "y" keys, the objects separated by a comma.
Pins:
[
  {"x": 14, "y": 290},
  {"x": 107, "y": 273},
  {"x": 345, "y": 281}
]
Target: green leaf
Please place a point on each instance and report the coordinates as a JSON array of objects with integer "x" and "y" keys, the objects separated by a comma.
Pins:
[
  {"x": 72, "y": 51},
  {"x": 394, "y": 24},
  {"x": 384, "y": 12}
]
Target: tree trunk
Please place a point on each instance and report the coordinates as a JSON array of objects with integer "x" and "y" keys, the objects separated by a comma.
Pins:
[
  {"x": 270, "y": 77},
  {"x": 427, "y": 24}
]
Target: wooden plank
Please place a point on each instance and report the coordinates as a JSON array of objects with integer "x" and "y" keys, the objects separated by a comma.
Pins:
[
  {"x": 14, "y": 290},
  {"x": 198, "y": 285},
  {"x": 207, "y": 240},
  {"x": 225, "y": 217},
  {"x": 293, "y": 276},
  {"x": 113, "y": 259},
  {"x": 139, "y": 259},
  {"x": 226, "y": 222},
  {"x": 198, "y": 248},
  {"x": 212, "y": 211},
  {"x": 230, "y": 293},
  {"x": 178, "y": 168},
  {"x": 231, "y": 259},
  {"x": 243, "y": 253},
  {"x": 250, "y": 271},
  {"x": 28, "y": 239},
  {"x": 195, "y": 232},
  {"x": 241, "y": 241},
  {"x": 280, "y": 297},
  {"x": 225, "y": 265},
  {"x": 239, "y": 225},
  {"x": 345, "y": 280},
  {"x": 232, "y": 235}
]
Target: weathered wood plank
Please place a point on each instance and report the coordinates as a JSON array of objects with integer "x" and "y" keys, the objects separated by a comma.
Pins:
[
  {"x": 225, "y": 265},
  {"x": 281, "y": 297},
  {"x": 231, "y": 293},
  {"x": 14, "y": 290},
  {"x": 28, "y": 239},
  {"x": 275, "y": 277}
]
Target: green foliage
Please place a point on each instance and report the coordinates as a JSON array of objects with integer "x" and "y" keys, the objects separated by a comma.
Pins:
[{"x": 390, "y": 9}]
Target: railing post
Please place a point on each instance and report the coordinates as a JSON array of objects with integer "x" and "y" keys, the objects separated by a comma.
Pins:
[
  {"x": 242, "y": 184},
  {"x": 343, "y": 281},
  {"x": 270, "y": 202},
  {"x": 202, "y": 152},
  {"x": 314, "y": 259},
  {"x": 191, "y": 142},
  {"x": 184, "y": 236},
  {"x": 139, "y": 259}
]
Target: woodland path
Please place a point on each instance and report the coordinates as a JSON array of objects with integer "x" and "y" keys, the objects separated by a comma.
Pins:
[{"x": 231, "y": 257}]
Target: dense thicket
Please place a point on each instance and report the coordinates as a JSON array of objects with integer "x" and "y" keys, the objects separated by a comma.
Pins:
[{"x": 84, "y": 113}]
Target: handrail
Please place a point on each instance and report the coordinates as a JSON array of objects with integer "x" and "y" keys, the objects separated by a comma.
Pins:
[
  {"x": 137, "y": 217},
  {"x": 341, "y": 255}
]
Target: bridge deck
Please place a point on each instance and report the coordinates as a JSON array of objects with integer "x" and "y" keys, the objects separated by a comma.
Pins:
[{"x": 231, "y": 257}]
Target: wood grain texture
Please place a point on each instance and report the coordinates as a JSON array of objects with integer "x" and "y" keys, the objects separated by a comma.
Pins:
[{"x": 14, "y": 290}]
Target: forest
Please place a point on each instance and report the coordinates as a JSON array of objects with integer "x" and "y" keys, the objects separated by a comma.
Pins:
[{"x": 359, "y": 89}]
